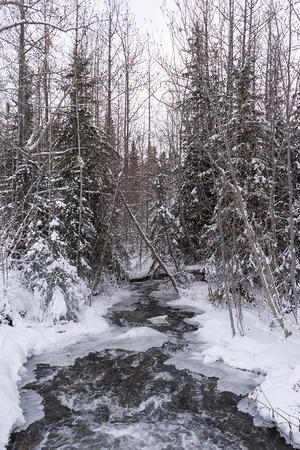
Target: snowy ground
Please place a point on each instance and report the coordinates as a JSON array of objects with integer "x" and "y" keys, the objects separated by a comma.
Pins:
[
  {"x": 139, "y": 266},
  {"x": 263, "y": 350}
]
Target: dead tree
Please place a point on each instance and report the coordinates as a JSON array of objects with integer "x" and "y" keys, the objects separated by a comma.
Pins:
[{"x": 154, "y": 253}]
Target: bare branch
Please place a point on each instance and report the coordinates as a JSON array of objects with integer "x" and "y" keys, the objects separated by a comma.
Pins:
[{"x": 37, "y": 22}]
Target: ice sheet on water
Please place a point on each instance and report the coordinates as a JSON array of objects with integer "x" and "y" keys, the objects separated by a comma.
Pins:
[
  {"x": 127, "y": 304},
  {"x": 169, "y": 299},
  {"x": 136, "y": 339},
  {"x": 164, "y": 296},
  {"x": 139, "y": 339},
  {"x": 32, "y": 406},
  {"x": 66, "y": 355},
  {"x": 239, "y": 382}
]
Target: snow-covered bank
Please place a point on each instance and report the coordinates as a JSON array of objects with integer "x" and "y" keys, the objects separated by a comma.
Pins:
[
  {"x": 263, "y": 349},
  {"x": 28, "y": 337}
]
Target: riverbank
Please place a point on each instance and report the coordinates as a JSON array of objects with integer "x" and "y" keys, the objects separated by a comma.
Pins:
[
  {"x": 263, "y": 349},
  {"x": 124, "y": 393},
  {"x": 28, "y": 337}
]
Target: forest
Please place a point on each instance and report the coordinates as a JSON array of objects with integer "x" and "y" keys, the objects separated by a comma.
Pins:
[
  {"x": 170, "y": 156},
  {"x": 112, "y": 145}
]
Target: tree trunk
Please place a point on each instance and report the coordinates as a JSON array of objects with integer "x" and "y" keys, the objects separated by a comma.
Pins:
[{"x": 155, "y": 256}]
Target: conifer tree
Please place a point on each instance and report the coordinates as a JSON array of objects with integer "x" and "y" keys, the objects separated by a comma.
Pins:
[
  {"x": 164, "y": 228},
  {"x": 196, "y": 196},
  {"x": 86, "y": 176},
  {"x": 77, "y": 142}
]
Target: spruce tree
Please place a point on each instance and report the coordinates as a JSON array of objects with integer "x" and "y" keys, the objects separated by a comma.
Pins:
[
  {"x": 241, "y": 151},
  {"x": 196, "y": 197},
  {"x": 164, "y": 229}
]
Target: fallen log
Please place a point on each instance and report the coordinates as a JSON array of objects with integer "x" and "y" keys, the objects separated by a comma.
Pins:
[{"x": 154, "y": 253}]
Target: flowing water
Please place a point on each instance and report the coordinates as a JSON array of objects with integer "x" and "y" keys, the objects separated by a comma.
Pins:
[{"x": 133, "y": 397}]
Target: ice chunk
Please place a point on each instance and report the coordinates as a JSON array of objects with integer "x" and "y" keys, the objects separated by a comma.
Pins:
[{"x": 158, "y": 319}]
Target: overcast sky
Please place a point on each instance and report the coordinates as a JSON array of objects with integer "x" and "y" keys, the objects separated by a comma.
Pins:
[
  {"x": 149, "y": 16},
  {"x": 147, "y": 10}
]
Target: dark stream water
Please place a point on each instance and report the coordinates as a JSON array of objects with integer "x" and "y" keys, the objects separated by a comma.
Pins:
[{"x": 120, "y": 399}]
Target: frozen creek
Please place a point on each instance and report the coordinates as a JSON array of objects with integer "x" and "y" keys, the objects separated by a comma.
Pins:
[{"x": 132, "y": 393}]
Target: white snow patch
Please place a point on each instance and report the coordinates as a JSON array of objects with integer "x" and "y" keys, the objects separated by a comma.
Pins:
[
  {"x": 139, "y": 265},
  {"x": 54, "y": 236},
  {"x": 57, "y": 307}
]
